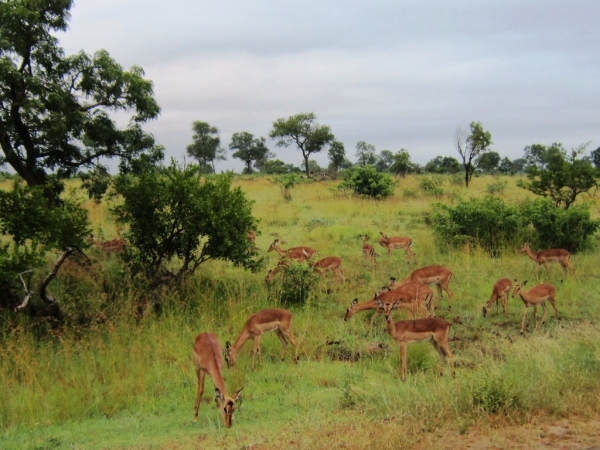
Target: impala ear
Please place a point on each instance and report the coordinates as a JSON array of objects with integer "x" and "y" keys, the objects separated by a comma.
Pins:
[
  {"x": 238, "y": 395},
  {"x": 524, "y": 283},
  {"x": 227, "y": 345},
  {"x": 219, "y": 395},
  {"x": 354, "y": 302},
  {"x": 392, "y": 278}
]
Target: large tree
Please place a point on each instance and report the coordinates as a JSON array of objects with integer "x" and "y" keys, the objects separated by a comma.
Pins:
[
  {"x": 337, "y": 155},
  {"x": 471, "y": 146},
  {"x": 402, "y": 163},
  {"x": 205, "y": 146},
  {"x": 489, "y": 161},
  {"x": 559, "y": 174},
  {"x": 249, "y": 149},
  {"x": 304, "y": 131},
  {"x": 55, "y": 110},
  {"x": 365, "y": 153},
  {"x": 443, "y": 164}
]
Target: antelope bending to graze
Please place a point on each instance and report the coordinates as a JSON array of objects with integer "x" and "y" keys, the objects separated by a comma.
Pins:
[
  {"x": 330, "y": 263},
  {"x": 535, "y": 296},
  {"x": 408, "y": 331},
  {"x": 367, "y": 249},
  {"x": 297, "y": 253},
  {"x": 438, "y": 275},
  {"x": 411, "y": 297},
  {"x": 415, "y": 292},
  {"x": 549, "y": 256},
  {"x": 390, "y": 243},
  {"x": 270, "y": 319},
  {"x": 500, "y": 293},
  {"x": 112, "y": 246},
  {"x": 208, "y": 359}
]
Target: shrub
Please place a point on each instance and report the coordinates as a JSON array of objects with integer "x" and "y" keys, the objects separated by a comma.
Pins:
[
  {"x": 486, "y": 222},
  {"x": 298, "y": 280},
  {"x": 365, "y": 181},
  {"x": 433, "y": 186},
  {"x": 496, "y": 188},
  {"x": 560, "y": 228}
]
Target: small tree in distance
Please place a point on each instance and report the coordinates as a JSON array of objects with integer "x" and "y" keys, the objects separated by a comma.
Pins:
[
  {"x": 249, "y": 149},
  {"x": 302, "y": 130},
  {"x": 337, "y": 155},
  {"x": 205, "y": 146},
  {"x": 470, "y": 146},
  {"x": 365, "y": 153}
]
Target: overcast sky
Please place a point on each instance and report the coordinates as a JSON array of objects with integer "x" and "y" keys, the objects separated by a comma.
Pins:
[{"x": 396, "y": 74}]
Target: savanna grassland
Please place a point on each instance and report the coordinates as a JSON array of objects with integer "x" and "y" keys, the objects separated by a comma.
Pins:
[{"x": 126, "y": 379}]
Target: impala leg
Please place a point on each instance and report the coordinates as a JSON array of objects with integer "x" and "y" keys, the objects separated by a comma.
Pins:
[
  {"x": 547, "y": 268},
  {"x": 553, "y": 303},
  {"x": 255, "y": 350},
  {"x": 545, "y": 313},
  {"x": 442, "y": 355},
  {"x": 287, "y": 332},
  {"x": 535, "y": 317},
  {"x": 523, "y": 319},
  {"x": 283, "y": 343},
  {"x": 505, "y": 302},
  {"x": 403, "y": 360},
  {"x": 201, "y": 374}
]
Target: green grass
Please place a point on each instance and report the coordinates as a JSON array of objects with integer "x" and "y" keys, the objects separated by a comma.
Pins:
[{"x": 126, "y": 379}]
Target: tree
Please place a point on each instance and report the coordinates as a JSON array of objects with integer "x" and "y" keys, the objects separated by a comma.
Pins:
[
  {"x": 470, "y": 146},
  {"x": 365, "y": 181},
  {"x": 274, "y": 166},
  {"x": 54, "y": 109},
  {"x": 443, "y": 164},
  {"x": 489, "y": 161},
  {"x": 249, "y": 149},
  {"x": 559, "y": 175},
  {"x": 505, "y": 166},
  {"x": 337, "y": 155},
  {"x": 365, "y": 153},
  {"x": 302, "y": 130},
  {"x": 595, "y": 155},
  {"x": 178, "y": 221},
  {"x": 539, "y": 155},
  {"x": 384, "y": 161},
  {"x": 205, "y": 146},
  {"x": 401, "y": 163}
]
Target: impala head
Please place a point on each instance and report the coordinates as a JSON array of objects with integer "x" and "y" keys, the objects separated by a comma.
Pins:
[
  {"x": 518, "y": 287},
  {"x": 269, "y": 277},
  {"x": 387, "y": 307},
  {"x": 486, "y": 310},
  {"x": 226, "y": 405},
  {"x": 273, "y": 245},
  {"x": 350, "y": 311},
  {"x": 229, "y": 356},
  {"x": 524, "y": 248}
]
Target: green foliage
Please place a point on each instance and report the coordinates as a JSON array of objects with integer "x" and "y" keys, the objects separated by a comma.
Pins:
[
  {"x": 365, "y": 153},
  {"x": 553, "y": 173},
  {"x": 303, "y": 131},
  {"x": 287, "y": 182},
  {"x": 55, "y": 116},
  {"x": 365, "y": 181},
  {"x": 249, "y": 149},
  {"x": 205, "y": 146},
  {"x": 555, "y": 227},
  {"x": 275, "y": 167},
  {"x": 445, "y": 164},
  {"x": 298, "y": 282},
  {"x": 471, "y": 146},
  {"x": 488, "y": 162},
  {"x": 496, "y": 188},
  {"x": 486, "y": 222},
  {"x": 495, "y": 395},
  {"x": 432, "y": 186},
  {"x": 175, "y": 218},
  {"x": 401, "y": 163},
  {"x": 337, "y": 155}
]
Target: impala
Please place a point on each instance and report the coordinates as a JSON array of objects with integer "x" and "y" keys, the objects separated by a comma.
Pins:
[
  {"x": 411, "y": 297},
  {"x": 537, "y": 295},
  {"x": 112, "y": 246},
  {"x": 408, "y": 331},
  {"x": 330, "y": 263},
  {"x": 252, "y": 239},
  {"x": 500, "y": 293},
  {"x": 208, "y": 360},
  {"x": 390, "y": 243},
  {"x": 297, "y": 253},
  {"x": 438, "y": 275},
  {"x": 284, "y": 262},
  {"x": 549, "y": 256},
  {"x": 270, "y": 319},
  {"x": 367, "y": 249}
]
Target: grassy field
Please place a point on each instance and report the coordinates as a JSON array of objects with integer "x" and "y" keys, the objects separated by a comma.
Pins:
[{"x": 127, "y": 380}]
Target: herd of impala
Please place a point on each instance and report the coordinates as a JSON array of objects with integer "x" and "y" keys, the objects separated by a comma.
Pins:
[{"x": 412, "y": 294}]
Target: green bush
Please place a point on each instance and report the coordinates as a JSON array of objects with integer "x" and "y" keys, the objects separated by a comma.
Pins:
[
  {"x": 496, "y": 187},
  {"x": 559, "y": 228},
  {"x": 298, "y": 281},
  {"x": 433, "y": 186},
  {"x": 365, "y": 181},
  {"x": 487, "y": 222}
]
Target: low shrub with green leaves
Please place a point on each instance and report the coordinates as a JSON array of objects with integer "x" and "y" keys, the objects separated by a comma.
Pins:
[
  {"x": 365, "y": 181},
  {"x": 432, "y": 186},
  {"x": 556, "y": 227},
  {"x": 298, "y": 281}
]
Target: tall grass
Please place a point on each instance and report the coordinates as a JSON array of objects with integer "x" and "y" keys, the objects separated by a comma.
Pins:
[{"x": 131, "y": 370}]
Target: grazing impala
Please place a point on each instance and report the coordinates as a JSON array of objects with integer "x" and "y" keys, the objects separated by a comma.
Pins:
[
  {"x": 537, "y": 295},
  {"x": 407, "y": 331},
  {"x": 270, "y": 319},
  {"x": 500, "y": 293},
  {"x": 411, "y": 297},
  {"x": 367, "y": 249},
  {"x": 390, "y": 243},
  {"x": 438, "y": 275},
  {"x": 297, "y": 253},
  {"x": 112, "y": 246},
  {"x": 549, "y": 256},
  {"x": 208, "y": 359},
  {"x": 330, "y": 263}
]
